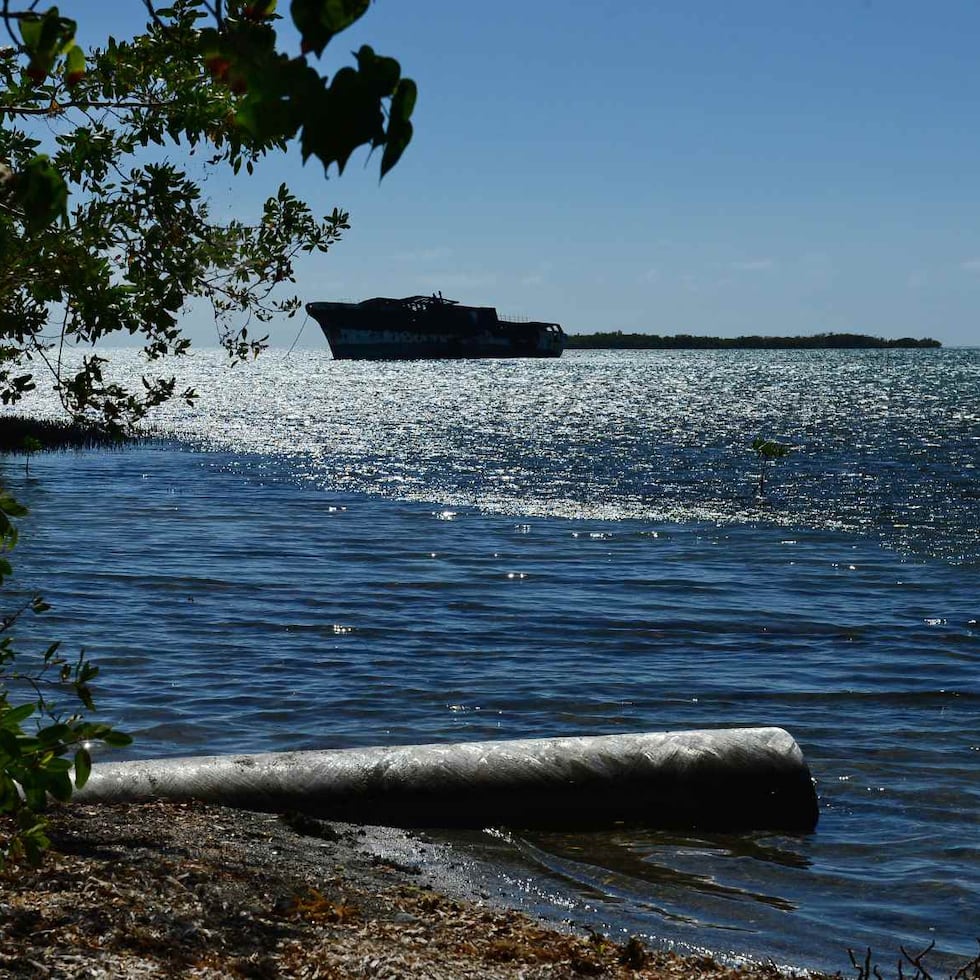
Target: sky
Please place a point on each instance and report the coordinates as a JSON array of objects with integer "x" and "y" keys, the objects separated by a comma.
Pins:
[{"x": 703, "y": 167}]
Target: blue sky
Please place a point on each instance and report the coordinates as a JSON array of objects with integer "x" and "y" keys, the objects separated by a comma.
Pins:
[{"x": 703, "y": 167}]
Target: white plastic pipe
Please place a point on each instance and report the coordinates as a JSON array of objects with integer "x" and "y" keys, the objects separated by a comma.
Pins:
[{"x": 724, "y": 779}]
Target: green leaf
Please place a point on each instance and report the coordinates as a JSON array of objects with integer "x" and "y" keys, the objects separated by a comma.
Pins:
[
  {"x": 55, "y": 766},
  {"x": 11, "y": 507},
  {"x": 404, "y": 99},
  {"x": 12, "y": 718},
  {"x": 41, "y": 193},
  {"x": 345, "y": 116},
  {"x": 9, "y": 797},
  {"x": 117, "y": 740},
  {"x": 399, "y": 133},
  {"x": 83, "y": 767},
  {"x": 35, "y": 841},
  {"x": 54, "y": 734},
  {"x": 33, "y": 786},
  {"x": 319, "y": 21},
  {"x": 380, "y": 74},
  {"x": 45, "y": 37},
  {"x": 58, "y": 784},
  {"x": 30, "y": 31},
  {"x": 9, "y": 743},
  {"x": 74, "y": 64}
]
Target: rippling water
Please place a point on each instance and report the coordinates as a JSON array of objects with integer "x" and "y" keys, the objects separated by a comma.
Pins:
[{"x": 352, "y": 553}]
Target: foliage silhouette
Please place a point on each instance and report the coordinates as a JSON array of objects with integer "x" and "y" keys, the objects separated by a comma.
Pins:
[{"x": 103, "y": 233}]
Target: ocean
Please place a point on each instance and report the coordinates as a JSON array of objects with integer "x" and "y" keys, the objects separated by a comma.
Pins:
[{"x": 331, "y": 554}]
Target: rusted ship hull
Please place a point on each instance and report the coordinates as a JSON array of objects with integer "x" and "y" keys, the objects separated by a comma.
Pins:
[{"x": 428, "y": 327}]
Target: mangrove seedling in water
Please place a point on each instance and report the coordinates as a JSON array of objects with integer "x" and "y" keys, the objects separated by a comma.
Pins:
[
  {"x": 31, "y": 445},
  {"x": 768, "y": 451}
]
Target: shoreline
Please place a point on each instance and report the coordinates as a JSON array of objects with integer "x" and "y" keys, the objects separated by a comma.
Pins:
[
  {"x": 617, "y": 340},
  {"x": 144, "y": 890}
]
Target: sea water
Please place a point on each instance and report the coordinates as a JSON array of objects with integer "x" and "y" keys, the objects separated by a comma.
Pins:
[{"x": 333, "y": 554}]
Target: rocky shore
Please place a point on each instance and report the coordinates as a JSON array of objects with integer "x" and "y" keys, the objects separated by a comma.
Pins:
[{"x": 192, "y": 890}]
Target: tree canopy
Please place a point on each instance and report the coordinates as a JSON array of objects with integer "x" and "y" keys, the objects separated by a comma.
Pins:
[
  {"x": 102, "y": 228},
  {"x": 104, "y": 231}
]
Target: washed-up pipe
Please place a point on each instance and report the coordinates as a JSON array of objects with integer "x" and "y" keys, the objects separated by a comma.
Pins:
[{"x": 726, "y": 779}]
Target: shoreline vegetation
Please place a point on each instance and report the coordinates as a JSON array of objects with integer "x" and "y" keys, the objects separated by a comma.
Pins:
[
  {"x": 24, "y": 434},
  {"x": 617, "y": 340}
]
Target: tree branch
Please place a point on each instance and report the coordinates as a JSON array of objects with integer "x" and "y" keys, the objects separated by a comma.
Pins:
[{"x": 57, "y": 108}]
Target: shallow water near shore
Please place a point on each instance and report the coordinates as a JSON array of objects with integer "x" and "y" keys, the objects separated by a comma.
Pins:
[{"x": 342, "y": 554}]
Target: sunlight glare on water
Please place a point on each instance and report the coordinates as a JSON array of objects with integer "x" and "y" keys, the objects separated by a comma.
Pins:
[{"x": 886, "y": 442}]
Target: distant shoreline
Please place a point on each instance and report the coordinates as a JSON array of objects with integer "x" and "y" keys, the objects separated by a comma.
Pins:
[{"x": 617, "y": 340}]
